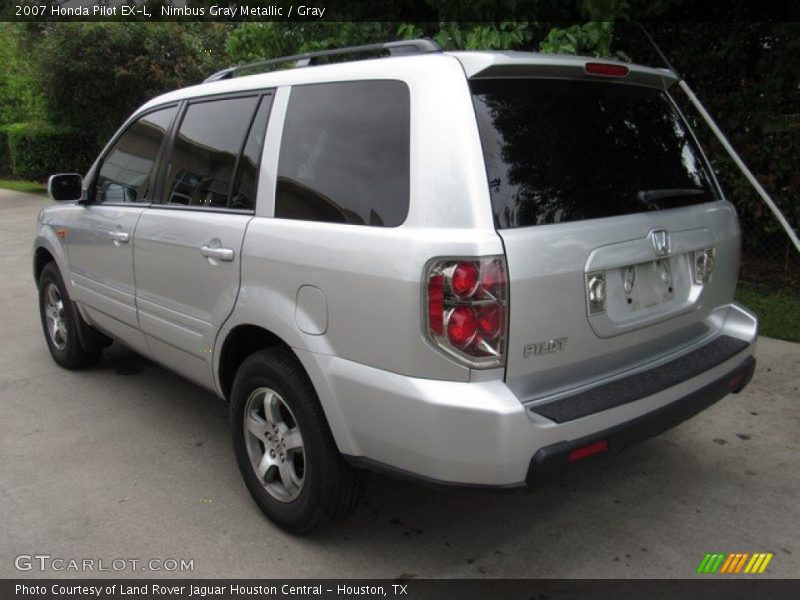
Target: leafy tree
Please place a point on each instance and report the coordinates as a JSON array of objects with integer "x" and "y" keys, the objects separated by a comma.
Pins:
[
  {"x": 748, "y": 77},
  {"x": 19, "y": 97},
  {"x": 95, "y": 74}
]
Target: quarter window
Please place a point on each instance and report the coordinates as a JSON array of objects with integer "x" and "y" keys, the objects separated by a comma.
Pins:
[
  {"x": 206, "y": 149},
  {"x": 345, "y": 154},
  {"x": 126, "y": 174}
]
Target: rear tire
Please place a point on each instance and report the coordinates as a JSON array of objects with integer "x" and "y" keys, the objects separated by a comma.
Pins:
[
  {"x": 61, "y": 321},
  {"x": 284, "y": 447}
]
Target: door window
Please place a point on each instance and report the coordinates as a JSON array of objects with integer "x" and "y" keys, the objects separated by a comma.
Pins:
[
  {"x": 207, "y": 146},
  {"x": 126, "y": 174}
]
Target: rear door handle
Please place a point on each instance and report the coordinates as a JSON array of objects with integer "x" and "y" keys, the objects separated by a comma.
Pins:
[
  {"x": 123, "y": 237},
  {"x": 225, "y": 254}
]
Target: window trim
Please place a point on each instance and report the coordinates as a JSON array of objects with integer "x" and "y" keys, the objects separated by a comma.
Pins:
[
  {"x": 160, "y": 202},
  {"x": 91, "y": 187}
]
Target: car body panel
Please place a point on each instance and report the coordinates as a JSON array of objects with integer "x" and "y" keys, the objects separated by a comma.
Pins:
[
  {"x": 547, "y": 265},
  {"x": 101, "y": 268},
  {"x": 184, "y": 297},
  {"x": 473, "y": 433}
]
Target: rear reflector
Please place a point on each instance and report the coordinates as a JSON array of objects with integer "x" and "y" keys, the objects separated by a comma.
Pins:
[
  {"x": 588, "y": 450},
  {"x": 735, "y": 383},
  {"x": 606, "y": 69}
]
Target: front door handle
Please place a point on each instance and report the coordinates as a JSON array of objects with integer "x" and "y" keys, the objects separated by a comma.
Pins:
[
  {"x": 225, "y": 254},
  {"x": 121, "y": 237}
]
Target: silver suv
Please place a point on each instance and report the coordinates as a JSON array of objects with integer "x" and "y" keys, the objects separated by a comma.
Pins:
[{"x": 467, "y": 268}]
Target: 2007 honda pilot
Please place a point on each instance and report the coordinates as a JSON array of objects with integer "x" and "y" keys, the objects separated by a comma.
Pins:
[{"x": 469, "y": 268}]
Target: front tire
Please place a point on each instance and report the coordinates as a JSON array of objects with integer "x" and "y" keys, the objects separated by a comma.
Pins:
[
  {"x": 284, "y": 447},
  {"x": 60, "y": 321}
]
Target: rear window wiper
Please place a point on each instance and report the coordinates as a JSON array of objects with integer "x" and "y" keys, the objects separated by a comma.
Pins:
[{"x": 649, "y": 195}]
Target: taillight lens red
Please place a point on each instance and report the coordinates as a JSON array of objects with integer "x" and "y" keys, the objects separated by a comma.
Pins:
[
  {"x": 493, "y": 276},
  {"x": 462, "y": 326},
  {"x": 490, "y": 320},
  {"x": 464, "y": 280},
  {"x": 436, "y": 304},
  {"x": 609, "y": 70},
  {"x": 466, "y": 304}
]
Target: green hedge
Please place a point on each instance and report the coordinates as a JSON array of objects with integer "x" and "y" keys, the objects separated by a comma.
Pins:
[
  {"x": 5, "y": 153},
  {"x": 39, "y": 150}
]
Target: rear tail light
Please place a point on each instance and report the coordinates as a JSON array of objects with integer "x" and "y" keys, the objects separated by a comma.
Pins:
[{"x": 466, "y": 304}]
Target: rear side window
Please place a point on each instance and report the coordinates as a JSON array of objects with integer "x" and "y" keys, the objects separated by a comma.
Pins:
[
  {"x": 345, "y": 154},
  {"x": 205, "y": 153},
  {"x": 559, "y": 150},
  {"x": 126, "y": 174}
]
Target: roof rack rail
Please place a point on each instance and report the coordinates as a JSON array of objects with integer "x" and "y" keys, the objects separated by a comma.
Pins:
[{"x": 401, "y": 47}]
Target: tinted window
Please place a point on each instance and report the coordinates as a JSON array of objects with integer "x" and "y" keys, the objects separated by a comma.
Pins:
[
  {"x": 206, "y": 147},
  {"x": 126, "y": 174},
  {"x": 244, "y": 189},
  {"x": 345, "y": 154},
  {"x": 559, "y": 151}
]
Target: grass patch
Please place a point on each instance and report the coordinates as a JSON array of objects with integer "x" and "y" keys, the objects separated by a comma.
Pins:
[
  {"x": 778, "y": 310},
  {"x": 29, "y": 187}
]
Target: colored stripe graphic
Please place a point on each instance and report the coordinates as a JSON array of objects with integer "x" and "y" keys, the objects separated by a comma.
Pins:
[
  {"x": 752, "y": 563},
  {"x": 732, "y": 563},
  {"x": 764, "y": 564},
  {"x": 703, "y": 563},
  {"x": 716, "y": 564},
  {"x": 724, "y": 563},
  {"x": 741, "y": 562},
  {"x": 728, "y": 562},
  {"x": 759, "y": 562}
]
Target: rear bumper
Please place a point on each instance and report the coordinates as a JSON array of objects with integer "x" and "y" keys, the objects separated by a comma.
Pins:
[
  {"x": 551, "y": 462},
  {"x": 479, "y": 434}
]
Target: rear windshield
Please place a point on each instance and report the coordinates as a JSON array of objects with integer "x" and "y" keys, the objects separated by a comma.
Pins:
[{"x": 560, "y": 150}]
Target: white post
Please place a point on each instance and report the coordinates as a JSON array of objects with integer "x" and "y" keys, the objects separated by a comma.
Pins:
[{"x": 740, "y": 163}]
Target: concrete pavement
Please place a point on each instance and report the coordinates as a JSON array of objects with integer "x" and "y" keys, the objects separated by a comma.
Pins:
[{"x": 127, "y": 460}]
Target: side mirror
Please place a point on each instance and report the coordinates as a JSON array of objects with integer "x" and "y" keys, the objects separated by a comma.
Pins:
[{"x": 65, "y": 187}]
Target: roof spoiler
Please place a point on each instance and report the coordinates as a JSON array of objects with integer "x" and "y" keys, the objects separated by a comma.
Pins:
[{"x": 509, "y": 65}]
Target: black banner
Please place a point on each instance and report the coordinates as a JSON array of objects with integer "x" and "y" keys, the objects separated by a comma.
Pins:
[
  {"x": 246, "y": 11},
  {"x": 412, "y": 589}
]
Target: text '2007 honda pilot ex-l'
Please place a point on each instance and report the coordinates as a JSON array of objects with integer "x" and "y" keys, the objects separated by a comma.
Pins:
[{"x": 469, "y": 268}]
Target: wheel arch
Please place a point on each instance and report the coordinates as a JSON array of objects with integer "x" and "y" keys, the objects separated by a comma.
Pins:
[
  {"x": 41, "y": 256},
  {"x": 245, "y": 338},
  {"x": 48, "y": 248},
  {"x": 239, "y": 343}
]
